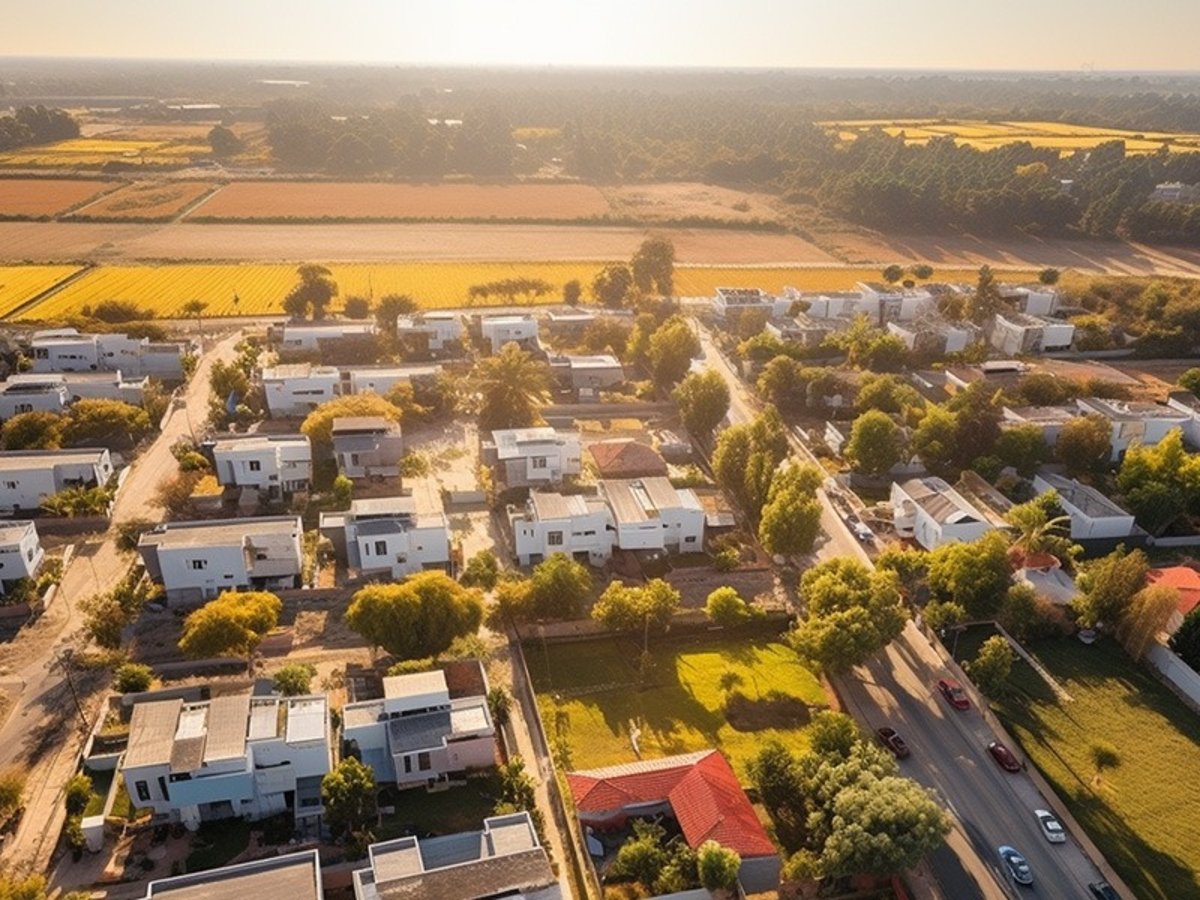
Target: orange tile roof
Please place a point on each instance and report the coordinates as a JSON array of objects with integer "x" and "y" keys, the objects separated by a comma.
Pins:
[{"x": 1184, "y": 579}]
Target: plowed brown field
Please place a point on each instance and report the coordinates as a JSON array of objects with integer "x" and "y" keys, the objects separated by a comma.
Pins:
[
  {"x": 44, "y": 196},
  {"x": 147, "y": 200}
]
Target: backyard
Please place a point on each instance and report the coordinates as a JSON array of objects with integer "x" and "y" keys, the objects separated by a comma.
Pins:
[
  {"x": 733, "y": 693},
  {"x": 416, "y": 811},
  {"x": 1142, "y": 812}
]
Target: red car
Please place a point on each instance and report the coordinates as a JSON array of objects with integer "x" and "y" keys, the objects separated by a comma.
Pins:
[
  {"x": 890, "y": 739},
  {"x": 953, "y": 692},
  {"x": 1002, "y": 755}
]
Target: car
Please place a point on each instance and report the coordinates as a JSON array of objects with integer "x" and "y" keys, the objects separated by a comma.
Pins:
[
  {"x": 863, "y": 533},
  {"x": 953, "y": 692},
  {"x": 890, "y": 739},
  {"x": 1002, "y": 755},
  {"x": 1102, "y": 890},
  {"x": 1051, "y": 827},
  {"x": 1018, "y": 868}
]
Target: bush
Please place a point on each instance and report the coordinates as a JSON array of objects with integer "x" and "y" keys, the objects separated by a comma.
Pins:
[
  {"x": 12, "y": 786},
  {"x": 727, "y": 559},
  {"x": 343, "y": 491},
  {"x": 133, "y": 678},
  {"x": 482, "y": 571},
  {"x": 78, "y": 794},
  {"x": 725, "y": 608},
  {"x": 294, "y": 679}
]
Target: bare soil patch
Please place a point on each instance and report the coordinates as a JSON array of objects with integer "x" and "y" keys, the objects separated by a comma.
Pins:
[
  {"x": 45, "y": 196},
  {"x": 145, "y": 200},
  {"x": 673, "y": 201}
]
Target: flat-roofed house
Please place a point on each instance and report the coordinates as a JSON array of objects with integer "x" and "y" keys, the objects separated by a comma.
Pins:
[
  {"x": 504, "y": 859},
  {"x": 932, "y": 513},
  {"x": 885, "y": 303},
  {"x": 524, "y": 457},
  {"x": 431, "y": 332},
  {"x": 1135, "y": 422},
  {"x": 310, "y": 335},
  {"x": 239, "y": 756},
  {"x": 1033, "y": 299},
  {"x": 932, "y": 334},
  {"x": 552, "y": 523},
  {"x": 290, "y": 876},
  {"x": 367, "y": 446},
  {"x": 391, "y": 536},
  {"x": 730, "y": 303},
  {"x": 570, "y": 323},
  {"x": 418, "y": 734},
  {"x": 1093, "y": 516},
  {"x": 195, "y": 561},
  {"x": 1047, "y": 419},
  {"x": 653, "y": 514},
  {"x": 90, "y": 385},
  {"x": 1187, "y": 403},
  {"x": 66, "y": 350},
  {"x": 17, "y": 398},
  {"x": 21, "y": 553},
  {"x": 587, "y": 375},
  {"x": 27, "y": 477},
  {"x": 1016, "y": 333},
  {"x": 277, "y": 464},
  {"x": 383, "y": 379},
  {"x": 296, "y": 389},
  {"x": 509, "y": 329}
]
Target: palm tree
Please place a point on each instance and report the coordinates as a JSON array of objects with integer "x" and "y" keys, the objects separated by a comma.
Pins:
[
  {"x": 196, "y": 308},
  {"x": 1037, "y": 530},
  {"x": 511, "y": 385}
]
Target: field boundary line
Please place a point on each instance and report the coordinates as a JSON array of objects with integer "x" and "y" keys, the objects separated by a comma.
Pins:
[
  {"x": 189, "y": 208},
  {"x": 48, "y": 292}
]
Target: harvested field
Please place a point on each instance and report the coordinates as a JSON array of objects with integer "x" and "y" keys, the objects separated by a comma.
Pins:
[
  {"x": 45, "y": 196},
  {"x": 249, "y": 200},
  {"x": 688, "y": 200},
  {"x": 144, "y": 201},
  {"x": 19, "y": 284},
  {"x": 91, "y": 153}
]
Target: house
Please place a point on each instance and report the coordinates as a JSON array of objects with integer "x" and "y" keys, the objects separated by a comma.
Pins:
[
  {"x": 1135, "y": 422},
  {"x": 1016, "y": 333},
  {"x": 296, "y": 389},
  {"x": 90, "y": 385},
  {"x": 367, "y": 446},
  {"x": 431, "y": 332},
  {"x": 552, "y": 523},
  {"x": 523, "y": 457},
  {"x": 995, "y": 373},
  {"x": 652, "y": 514},
  {"x": 27, "y": 477},
  {"x": 310, "y": 335},
  {"x": 1032, "y": 299},
  {"x": 731, "y": 303},
  {"x": 497, "y": 331},
  {"x": 291, "y": 876},
  {"x": 698, "y": 790},
  {"x": 21, "y": 553},
  {"x": 626, "y": 458},
  {"x": 1093, "y": 516},
  {"x": 835, "y": 305},
  {"x": 195, "y": 561},
  {"x": 586, "y": 376},
  {"x": 504, "y": 859},
  {"x": 66, "y": 350},
  {"x": 240, "y": 756},
  {"x": 569, "y": 324},
  {"x": 1047, "y": 419},
  {"x": 894, "y": 303},
  {"x": 278, "y": 465},
  {"x": 933, "y": 335},
  {"x": 391, "y": 536},
  {"x": 932, "y": 513},
  {"x": 1185, "y": 580},
  {"x": 418, "y": 734},
  {"x": 17, "y": 398},
  {"x": 383, "y": 379},
  {"x": 1187, "y": 403},
  {"x": 805, "y": 329}
]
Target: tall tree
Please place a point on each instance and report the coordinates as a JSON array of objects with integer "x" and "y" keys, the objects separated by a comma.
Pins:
[
  {"x": 1107, "y": 586},
  {"x": 195, "y": 309},
  {"x": 231, "y": 625},
  {"x": 314, "y": 291},
  {"x": 1160, "y": 483},
  {"x": 33, "y": 431},
  {"x": 572, "y": 291},
  {"x": 511, "y": 385},
  {"x": 1149, "y": 611},
  {"x": 875, "y": 445},
  {"x": 986, "y": 301},
  {"x": 1042, "y": 526},
  {"x": 612, "y": 286},
  {"x": 1084, "y": 444},
  {"x": 974, "y": 575},
  {"x": 703, "y": 399},
  {"x": 348, "y": 796},
  {"x": 653, "y": 266},
  {"x": 992, "y": 666},
  {"x": 672, "y": 347},
  {"x": 637, "y": 608},
  {"x": 418, "y": 617},
  {"x": 791, "y": 518},
  {"x": 390, "y": 308},
  {"x": 318, "y": 424},
  {"x": 1186, "y": 640},
  {"x": 224, "y": 142}
]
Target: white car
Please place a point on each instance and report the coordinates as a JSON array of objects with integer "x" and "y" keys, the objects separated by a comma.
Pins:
[{"x": 1051, "y": 827}]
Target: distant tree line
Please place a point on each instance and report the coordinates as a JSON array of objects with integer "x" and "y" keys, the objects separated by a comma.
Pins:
[{"x": 36, "y": 125}]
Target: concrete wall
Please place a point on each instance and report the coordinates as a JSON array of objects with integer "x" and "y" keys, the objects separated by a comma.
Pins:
[{"x": 1181, "y": 676}]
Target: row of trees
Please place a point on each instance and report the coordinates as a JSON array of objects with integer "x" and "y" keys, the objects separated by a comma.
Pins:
[
  {"x": 36, "y": 125},
  {"x": 87, "y": 423}
]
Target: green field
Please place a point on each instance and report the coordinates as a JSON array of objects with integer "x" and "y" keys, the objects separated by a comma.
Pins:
[
  {"x": 1143, "y": 815},
  {"x": 589, "y": 693}
]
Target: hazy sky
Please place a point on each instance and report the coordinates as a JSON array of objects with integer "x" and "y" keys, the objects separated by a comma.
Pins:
[{"x": 962, "y": 34}]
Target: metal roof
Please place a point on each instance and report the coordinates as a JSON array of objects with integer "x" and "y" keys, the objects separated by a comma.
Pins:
[{"x": 152, "y": 733}]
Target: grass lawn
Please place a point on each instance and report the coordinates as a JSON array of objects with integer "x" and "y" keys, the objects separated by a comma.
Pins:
[
  {"x": 216, "y": 843},
  {"x": 445, "y": 812},
  {"x": 101, "y": 784},
  {"x": 1142, "y": 814},
  {"x": 589, "y": 694}
]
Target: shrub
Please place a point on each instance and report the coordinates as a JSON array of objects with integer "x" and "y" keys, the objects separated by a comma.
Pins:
[
  {"x": 78, "y": 794},
  {"x": 482, "y": 571},
  {"x": 294, "y": 679},
  {"x": 133, "y": 678}
]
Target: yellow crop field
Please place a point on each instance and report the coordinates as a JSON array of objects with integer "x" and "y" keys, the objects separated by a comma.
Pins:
[
  {"x": 20, "y": 284},
  {"x": 94, "y": 152},
  {"x": 260, "y": 289}
]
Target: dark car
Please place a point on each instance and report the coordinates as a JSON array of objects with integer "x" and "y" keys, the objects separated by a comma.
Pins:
[
  {"x": 1018, "y": 868},
  {"x": 890, "y": 739},
  {"x": 1001, "y": 754},
  {"x": 953, "y": 692},
  {"x": 1102, "y": 890}
]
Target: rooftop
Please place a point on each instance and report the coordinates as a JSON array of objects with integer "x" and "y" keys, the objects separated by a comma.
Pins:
[
  {"x": 414, "y": 684},
  {"x": 220, "y": 532},
  {"x": 626, "y": 458},
  {"x": 1086, "y": 499},
  {"x": 299, "y": 370},
  {"x": 28, "y": 459},
  {"x": 258, "y": 441},
  {"x": 642, "y": 499},
  {"x": 31, "y": 387},
  {"x": 429, "y": 730},
  {"x": 1184, "y": 579},
  {"x": 361, "y": 424},
  {"x": 1129, "y": 410},
  {"x": 11, "y": 532},
  {"x": 942, "y": 502},
  {"x": 508, "y": 441},
  {"x": 548, "y": 505},
  {"x": 1048, "y": 414},
  {"x": 293, "y": 876}
]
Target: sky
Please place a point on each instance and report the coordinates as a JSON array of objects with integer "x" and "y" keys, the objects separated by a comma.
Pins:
[{"x": 1061, "y": 35}]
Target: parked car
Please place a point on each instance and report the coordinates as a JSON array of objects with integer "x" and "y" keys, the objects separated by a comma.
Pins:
[
  {"x": 1051, "y": 827},
  {"x": 890, "y": 739},
  {"x": 1001, "y": 754},
  {"x": 863, "y": 533},
  {"x": 953, "y": 692},
  {"x": 1018, "y": 868},
  {"x": 1102, "y": 890}
]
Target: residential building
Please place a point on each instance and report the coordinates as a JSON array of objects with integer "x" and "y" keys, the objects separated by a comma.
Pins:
[
  {"x": 806, "y": 329},
  {"x": 1093, "y": 516},
  {"x": 586, "y": 376},
  {"x": 1136, "y": 422},
  {"x": 296, "y": 389},
  {"x": 291, "y": 876},
  {"x": 367, "y": 446},
  {"x": 1032, "y": 299},
  {"x": 731, "y": 303},
  {"x": 278, "y": 465},
  {"x": 66, "y": 350},
  {"x": 652, "y": 514},
  {"x": 1176, "y": 192},
  {"x": 432, "y": 332},
  {"x": 195, "y": 561},
  {"x": 418, "y": 734},
  {"x": 27, "y": 477},
  {"x": 996, "y": 373},
  {"x": 1187, "y": 403},
  {"x": 1016, "y": 333},
  {"x": 931, "y": 512},
  {"x": 626, "y": 458},
  {"x": 698, "y": 790},
  {"x": 383, "y": 379},
  {"x": 391, "y": 536},
  {"x": 310, "y": 335},
  {"x": 894, "y": 303},
  {"x": 497, "y": 331},
  {"x": 17, "y": 398},
  {"x": 834, "y": 305},
  {"x": 504, "y": 859},
  {"x": 241, "y": 756},
  {"x": 1185, "y": 581},
  {"x": 21, "y": 553},
  {"x": 1047, "y": 419},
  {"x": 524, "y": 457},
  {"x": 570, "y": 323},
  {"x": 552, "y": 523},
  {"x": 931, "y": 334},
  {"x": 90, "y": 385}
]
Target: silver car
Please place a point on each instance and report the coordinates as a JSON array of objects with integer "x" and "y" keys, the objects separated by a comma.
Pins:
[
  {"x": 1014, "y": 862},
  {"x": 1051, "y": 827}
]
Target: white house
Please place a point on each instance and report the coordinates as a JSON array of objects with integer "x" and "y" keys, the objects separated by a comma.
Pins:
[
  {"x": 417, "y": 734},
  {"x": 805, "y": 329},
  {"x": 835, "y": 304},
  {"x": 729, "y": 303},
  {"x": 1187, "y": 403},
  {"x": 367, "y": 446},
  {"x": 571, "y": 322},
  {"x": 932, "y": 513},
  {"x": 1093, "y": 515},
  {"x": 932, "y": 334},
  {"x": 90, "y": 385},
  {"x": 27, "y": 477},
  {"x": 66, "y": 350},
  {"x": 504, "y": 859},
  {"x": 391, "y": 536},
  {"x": 382, "y": 379},
  {"x": 294, "y": 876},
  {"x": 1021, "y": 333},
  {"x": 309, "y": 335},
  {"x": 1033, "y": 299},
  {"x": 17, "y": 398},
  {"x": 21, "y": 553},
  {"x": 894, "y": 303},
  {"x": 523, "y": 457},
  {"x": 652, "y": 514},
  {"x": 434, "y": 331},
  {"x": 500, "y": 330},
  {"x": 238, "y": 756},
  {"x": 198, "y": 560},
  {"x": 587, "y": 375},
  {"x": 296, "y": 389},
  {"x": 553, "y": 523},
  {"x": 1136, "y": 422},
  {"x": 1048, "y": 419},
  {"x": 276, "y": 464}
]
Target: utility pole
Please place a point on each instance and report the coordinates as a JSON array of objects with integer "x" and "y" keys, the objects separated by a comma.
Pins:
[{"x": 64, "y": 658}]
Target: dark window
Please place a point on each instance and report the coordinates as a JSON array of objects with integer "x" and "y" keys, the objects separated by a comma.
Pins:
[
  {"x": 407, "y": 765},
  {"x": 199, "y": 563},
  {"x": 554, "y": 538},
  {"x": 255, "y": 465},
  {"x": 423, "y": 761},
  {"x": 143, "y": 790},
  {"x": 380, "y": 548}
]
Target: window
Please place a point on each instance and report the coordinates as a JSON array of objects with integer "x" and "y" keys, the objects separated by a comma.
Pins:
[
  {"x": 539, "y": 462},
  {"x": 691, "y": 539},
  {"x": 24, "y": 407},
  {"x": 354, "y": 459},
  {"x": 407, "y": 765},
  {"x": 199, "y": 563},
  {"x": 162, "y": 786},
  {"x": 381, "y": 548},
  {"x": 255, "y": 465},
  {"x": 143, "y": 790},
  {"x": 423, "y": 762},
  {"x": 11, "y": 485},
  {"x": 554, "y": 538}
]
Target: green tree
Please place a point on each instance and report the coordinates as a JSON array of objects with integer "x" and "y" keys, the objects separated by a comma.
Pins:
[
  {"x": 791, "y": 518},
  {"x": 703, "y": 400},
  {"x": 888, "y": 394},
  {"x": 1084, "y": 444},
  {"x": 1107, "y": 586},
  {"x": 1149, "y": 611},
  {"x": 499, "y": 705},
  {"x": 637, "y": 608},
  {"x": 911, "y": 566},
  {"x": 348, "y": 795},
  {"x": 940, "y": 614},
  {"x": 418, "y": 617},
  {"x": 974, "y": 575},
  {"x": 875, "y": 445},
  {"x": 1160, "y": 483},
  {"x": 318, "y": 425},
  {"x": 672, "y": 348},
  {"x": 294, "y": 679},
  {"x": 12, "y": 787},
  {"x": 355, "y": 307},
  {"x": 1190, "y": 381},
  {"x": 1186, "y": 640},
  {"x": 1042, "y": 526},
  {"x": 986, "y": 301},
  {"x": 194, "y": 309},
  {"x": 726, "y": 608},
  {"x": 1048, "y": 276},
  {"x": 893, "y": 273},
  {"x": 934, "y": 439},
  {"x": 511, "y": 385},
  {"x": 572, "y": 292},
  {"x": 132, "y": 678},
  {"x": 1023, "y": 448},
  {"x": 642, "y": 857},
  {"x": 832, "y": 733},
  {"x": 233, "y": 624},
  {"x": 653, "y": 266},
  {"x": 746, "y": 457},
  {"x": 923, "y": 271},
  {"x": 559, "y": 586},
  {"x": 224, "y": 142},
  {"x": 314, "y": 291},
  {"x": 77, "y": 794},
  {"x": 33, "y": 431},
  {"x": 105, "y": 423},
  {"x": 612, "y": 286},
  {"x": 992, "y": 666},
  {"x": 78, "y": 502},
  {"x": 518, "y": 792},
  {"x": 775, "y": 774},
  {"x": 717, "y": 866},
  {"x": 481, "y": 571},
  {"x": 390, "y": 308}
]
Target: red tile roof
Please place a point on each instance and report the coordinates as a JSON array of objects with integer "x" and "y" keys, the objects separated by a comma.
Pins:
[
  {"x": 1184, "y": 579},
  {"x": 703, "y": 792},
  {"x": 626, "y": 459}
]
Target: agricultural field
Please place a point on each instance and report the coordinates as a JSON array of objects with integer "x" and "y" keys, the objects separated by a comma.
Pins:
[
  {"x": 260, "y": 288},
  {"x": 1060, "y": 136},
  {"x": 676, "y": 201},
  {"x": 358, "y": 201},
  {"x": 20, "y": 284},
  {"x": 92, "y": 153},
  {"x": 37, "y": 197},
  {"x": 144, "y": 201}
]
